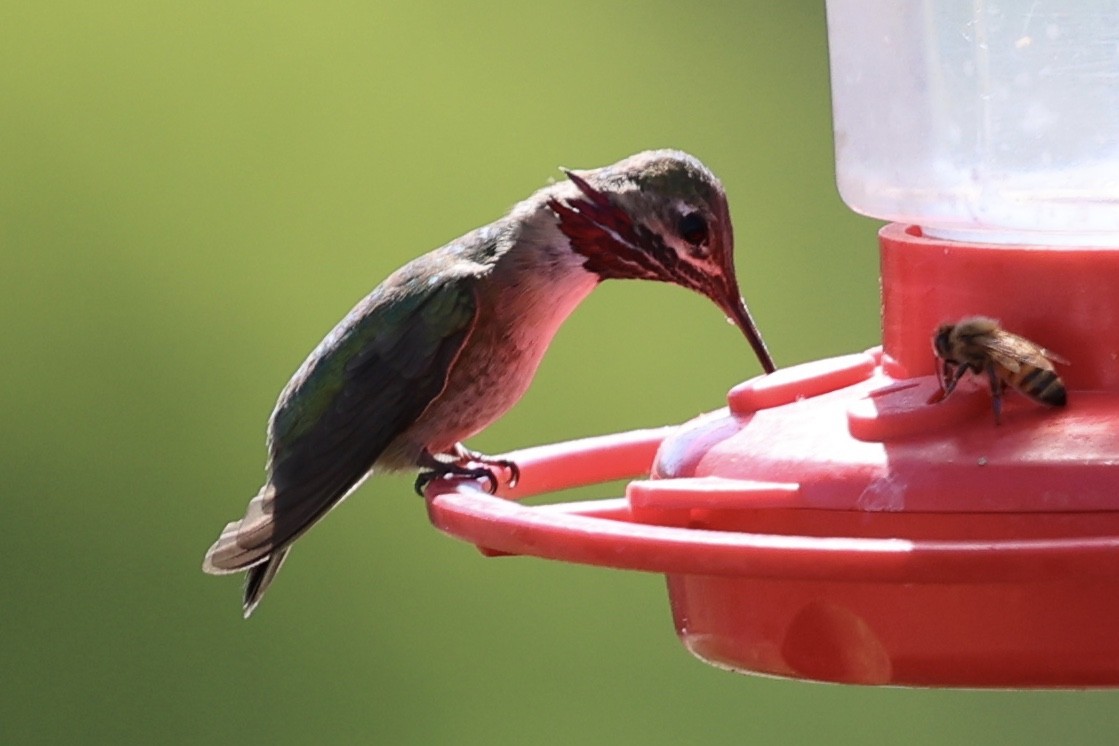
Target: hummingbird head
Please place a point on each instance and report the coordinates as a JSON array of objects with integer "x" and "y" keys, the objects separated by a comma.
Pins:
[{"x": 658, "y": 215}]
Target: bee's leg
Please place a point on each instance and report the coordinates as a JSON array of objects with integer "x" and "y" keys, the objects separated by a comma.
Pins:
[
  {"x": 942, "y": 377},
  {"x": 950, "y": 375},
  {"x": 996, "y": 392}
]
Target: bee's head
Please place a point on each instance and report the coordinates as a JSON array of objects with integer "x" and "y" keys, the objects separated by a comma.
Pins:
[{"x": 942, "y": 341}]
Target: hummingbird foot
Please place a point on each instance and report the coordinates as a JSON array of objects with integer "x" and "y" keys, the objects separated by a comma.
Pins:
[
  {"x": 467, "y": 465},
  {"x": 465, "y": 456}
]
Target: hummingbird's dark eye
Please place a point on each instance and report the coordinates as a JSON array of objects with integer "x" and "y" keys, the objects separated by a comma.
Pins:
[{"x": 693, "y": 229}]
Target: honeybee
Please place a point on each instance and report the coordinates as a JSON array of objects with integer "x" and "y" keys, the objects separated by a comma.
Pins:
[{"x": 978, "y": 344}]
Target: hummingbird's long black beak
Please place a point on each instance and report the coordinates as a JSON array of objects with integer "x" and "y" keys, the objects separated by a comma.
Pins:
[{"x": 734, "y": 307}]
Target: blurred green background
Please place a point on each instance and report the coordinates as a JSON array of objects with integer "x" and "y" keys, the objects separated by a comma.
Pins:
[{"x": 191, "y": 195}]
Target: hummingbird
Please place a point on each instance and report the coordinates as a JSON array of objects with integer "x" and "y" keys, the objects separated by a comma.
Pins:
[{"x": 450, "y": 341}]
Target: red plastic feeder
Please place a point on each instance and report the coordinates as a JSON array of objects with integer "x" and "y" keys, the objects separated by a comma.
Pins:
[{"x": 831, "y": 524}]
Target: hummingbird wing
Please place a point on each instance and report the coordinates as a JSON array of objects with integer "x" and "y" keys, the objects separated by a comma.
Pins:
[{"x": 366, "y": 383}]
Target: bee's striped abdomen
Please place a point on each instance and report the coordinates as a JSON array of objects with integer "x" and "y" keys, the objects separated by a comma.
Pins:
[{"x": 1040, "y": 384}]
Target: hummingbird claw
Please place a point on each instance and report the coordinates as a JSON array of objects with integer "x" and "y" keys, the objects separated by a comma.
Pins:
[
  {"x": 423, "y": 480},
  {"x": 489, "y": 465},
  {"x": 491, "y": 480},
  {"x": 514, "y": 471}
]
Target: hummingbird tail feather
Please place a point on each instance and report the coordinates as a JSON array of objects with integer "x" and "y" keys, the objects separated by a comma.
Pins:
[
  {"x": 260, "y": 577},
  {"x": 251, "y": 544},
  {"x": 245, "y": 543}
]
